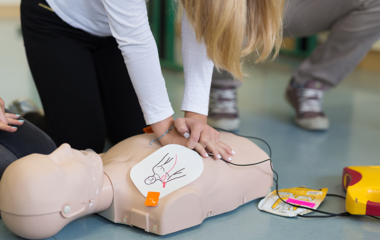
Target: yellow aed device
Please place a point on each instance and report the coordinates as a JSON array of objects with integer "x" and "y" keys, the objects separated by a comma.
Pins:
[{"x": 362, "y": 184}]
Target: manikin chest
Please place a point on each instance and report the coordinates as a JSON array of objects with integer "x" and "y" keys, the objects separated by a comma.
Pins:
[{"x": 220, "y": 188}]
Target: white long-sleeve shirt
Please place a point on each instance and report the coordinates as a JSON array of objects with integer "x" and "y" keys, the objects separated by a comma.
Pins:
[{"x": 127, "y": 22}]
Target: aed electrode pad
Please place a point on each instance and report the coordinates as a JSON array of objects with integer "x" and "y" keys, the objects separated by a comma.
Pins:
[{"x": 166, "y": 170}]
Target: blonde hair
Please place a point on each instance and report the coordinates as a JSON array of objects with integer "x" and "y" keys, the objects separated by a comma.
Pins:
[{"x": 232, "y": 29}]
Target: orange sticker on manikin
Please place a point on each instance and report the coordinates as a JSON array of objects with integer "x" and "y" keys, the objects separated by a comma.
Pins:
[
  {"x": 148, "y": 129},
  {"x": 152, "y": 199}
]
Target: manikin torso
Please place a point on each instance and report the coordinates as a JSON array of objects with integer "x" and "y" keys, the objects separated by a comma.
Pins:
[{"x": 220, "y": 188}]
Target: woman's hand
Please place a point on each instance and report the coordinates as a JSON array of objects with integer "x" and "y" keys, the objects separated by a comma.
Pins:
[
  {"x": 8, "y": 118},
  {"x": 173, "y": 137},
  {"x": 195, "y": 128}
]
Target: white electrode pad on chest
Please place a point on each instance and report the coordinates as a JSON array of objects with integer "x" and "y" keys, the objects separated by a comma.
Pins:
[{"x": 166, "y": 170}]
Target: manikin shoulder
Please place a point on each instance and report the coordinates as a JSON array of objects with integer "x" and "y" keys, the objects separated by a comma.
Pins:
[{"x": 137, "y": 147}]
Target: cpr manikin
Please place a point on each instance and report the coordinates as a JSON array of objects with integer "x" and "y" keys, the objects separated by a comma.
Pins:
[{"x": 40, "y": 194}]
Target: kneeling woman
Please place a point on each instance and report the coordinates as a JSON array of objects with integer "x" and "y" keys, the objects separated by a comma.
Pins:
[{"x": 95, "y": 63}]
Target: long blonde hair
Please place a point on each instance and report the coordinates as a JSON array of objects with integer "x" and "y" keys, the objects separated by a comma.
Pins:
[{"x": 232, "y": 29}]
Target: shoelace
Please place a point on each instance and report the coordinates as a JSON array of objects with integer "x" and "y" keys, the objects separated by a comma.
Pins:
[
  {"x": 310, "y": 100},
  {"x": 227, "y": 105}
]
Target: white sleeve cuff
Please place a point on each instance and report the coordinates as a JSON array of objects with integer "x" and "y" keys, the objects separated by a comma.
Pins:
[{"x": 154, "y": 118}]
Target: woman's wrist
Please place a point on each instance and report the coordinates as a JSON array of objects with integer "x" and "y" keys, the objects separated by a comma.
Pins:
[
  {"x": 195, "y": 115},
  {"x": 161, "y": 127}
]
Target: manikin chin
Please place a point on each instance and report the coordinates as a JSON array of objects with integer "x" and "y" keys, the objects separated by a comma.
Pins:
[{"x": 40, "y": 194}]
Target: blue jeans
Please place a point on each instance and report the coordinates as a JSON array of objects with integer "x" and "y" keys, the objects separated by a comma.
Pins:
[{"x": 26, "y": 140}]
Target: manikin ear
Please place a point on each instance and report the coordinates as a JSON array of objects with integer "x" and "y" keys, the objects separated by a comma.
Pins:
[
  {"x": 64, "y": 151},
  {"x": 73, "y": 209}
]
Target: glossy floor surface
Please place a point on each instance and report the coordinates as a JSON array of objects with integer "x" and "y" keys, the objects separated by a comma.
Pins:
[{"x": 301, "y": 158}]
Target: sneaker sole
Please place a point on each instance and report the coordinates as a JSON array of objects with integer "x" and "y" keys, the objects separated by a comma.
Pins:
[
  {"x": 317, "y": 123},
  {"x": 227, "y": 124}
]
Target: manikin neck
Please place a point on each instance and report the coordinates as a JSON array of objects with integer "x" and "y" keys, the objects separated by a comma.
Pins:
[{"x": 105, "y": 197}]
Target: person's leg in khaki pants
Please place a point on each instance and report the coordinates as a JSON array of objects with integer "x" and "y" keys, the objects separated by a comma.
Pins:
[{"x": 354, "y": 26}]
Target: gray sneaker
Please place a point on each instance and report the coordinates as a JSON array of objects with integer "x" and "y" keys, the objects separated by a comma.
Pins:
[
  {"x": 307, "y": 101},
  {"x": 23, "y": 106},
  {"x": 223, "y": 111}
]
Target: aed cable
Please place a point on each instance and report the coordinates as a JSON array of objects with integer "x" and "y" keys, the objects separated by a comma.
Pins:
[{"x": 329, "y": 214}]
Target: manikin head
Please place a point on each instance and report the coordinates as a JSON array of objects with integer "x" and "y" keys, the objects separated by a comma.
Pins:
[
  {"x": 150, "y": 180},
  {"x": 40, "y": 194}
]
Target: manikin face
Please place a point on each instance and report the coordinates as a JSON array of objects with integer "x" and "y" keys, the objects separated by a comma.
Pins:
[{"x": 42, "y": 184}]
